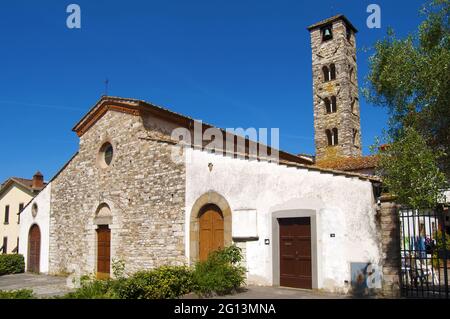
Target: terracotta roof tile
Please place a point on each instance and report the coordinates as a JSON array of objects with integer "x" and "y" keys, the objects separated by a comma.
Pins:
[
  {"x": 350, "y": 163},
  {"x": 24, "y": 181},
  {"x": 300, "y": 161},
  {"x": 89, "y": 119},
  {"x": 27, "y": 183}
]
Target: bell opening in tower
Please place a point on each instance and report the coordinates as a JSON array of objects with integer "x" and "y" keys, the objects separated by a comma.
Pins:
[{"x": 327, "y": 33}]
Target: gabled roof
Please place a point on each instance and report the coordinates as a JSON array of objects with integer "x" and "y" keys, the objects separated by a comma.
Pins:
[
  {"x": 331, "y": 20},
  {"x": 53, "y": 178},
  {"x": 25, "y": 183},
  {"x": 139, "y": 107}
]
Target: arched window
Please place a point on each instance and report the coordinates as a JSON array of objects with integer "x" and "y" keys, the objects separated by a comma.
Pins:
[
  {"x": 335, "y": 137},
  {"x": 355, "y": 137},
  {"x": 327, "y": 105},
  {"x": 326, "y": 74},
  {"x": 330, "y": 105},
  {"x": 348, "y": 32},
  {"x": 332, "y": 72},
  {"x": 333, "y": 106},
  {"x": 353, "y": 105},
  {"x": 329, "y": 137},
  {"x": 332, "y": 137}
]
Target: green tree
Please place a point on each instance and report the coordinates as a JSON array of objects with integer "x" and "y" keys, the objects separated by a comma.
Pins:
[
  {"x": 411, "y": 77},
  {"x": 410, "y": 170}
]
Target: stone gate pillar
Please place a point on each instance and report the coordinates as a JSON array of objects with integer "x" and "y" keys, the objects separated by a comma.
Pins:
[{"x": 389, "y": 223}]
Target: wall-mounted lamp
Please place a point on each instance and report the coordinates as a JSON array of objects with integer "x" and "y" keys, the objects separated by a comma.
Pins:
[{"x": 210, "y": 166}]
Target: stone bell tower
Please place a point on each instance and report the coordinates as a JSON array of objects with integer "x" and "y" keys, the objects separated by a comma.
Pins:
[{"x": 336, "y": 102}]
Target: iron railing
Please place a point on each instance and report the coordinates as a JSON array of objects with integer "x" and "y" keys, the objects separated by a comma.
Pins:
[{"x": 424, "y": 253}]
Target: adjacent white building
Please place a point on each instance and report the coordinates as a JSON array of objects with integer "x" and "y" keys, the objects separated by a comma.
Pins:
[
  {"x": 341, "y": 211},
  {"x": 15, "y": 194},
  {"x": 34, "y": 232}
]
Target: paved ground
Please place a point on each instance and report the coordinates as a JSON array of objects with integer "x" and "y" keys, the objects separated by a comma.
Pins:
[
  {"x": 43, "y": 286},
  {"x": 48, "y": 286},
  {"x": 254, "y": 292}
]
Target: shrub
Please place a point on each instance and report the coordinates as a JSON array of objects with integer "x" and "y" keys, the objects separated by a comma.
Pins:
[
  {"x": 11, "y": 264},
  {"x": 161, "y": 283},
  {"x": 91, "y": 288},
  {"x": 118, "y": 267},
  {"x": 17, "y": 294},
  {"x": 440, "y": 247},
  {"x": 220, "y": 273}
]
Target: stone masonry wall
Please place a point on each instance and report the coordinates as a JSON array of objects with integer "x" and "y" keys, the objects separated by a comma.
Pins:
[
  {"x": 390, "y": 241},
  {"x": 144, "y": 189},
  {"x": 342, "y": 53}
]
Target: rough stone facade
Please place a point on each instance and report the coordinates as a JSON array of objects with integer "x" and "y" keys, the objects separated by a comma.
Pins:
[
  {"x": 143, "y": 187},
  {"x": 340, "y": 51},
  {"x": 390, "y": 240}
]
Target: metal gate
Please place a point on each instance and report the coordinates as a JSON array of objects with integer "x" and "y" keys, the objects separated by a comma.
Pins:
[{"x": 424, "y": 252}]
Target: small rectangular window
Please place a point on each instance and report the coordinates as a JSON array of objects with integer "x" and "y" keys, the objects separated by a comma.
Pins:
[
  {"x": 355, "y": 137},
  {"x": 5, "y": 245},
  {"x": 20, "y": 211},
  {"x": 349, "y": 33},
  {"x": 6, "y": 220}
]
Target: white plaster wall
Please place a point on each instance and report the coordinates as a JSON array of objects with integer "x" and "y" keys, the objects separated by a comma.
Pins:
[
  {"x": 447, "y": 196},
  {"x": 42, "y": 219},
  {"x": 344, "y": 207}
]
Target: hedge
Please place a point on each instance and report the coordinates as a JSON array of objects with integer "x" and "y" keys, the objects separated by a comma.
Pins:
[
  {"x": 11, "y": 264},
  {"x": 17, "y": 294},
  {"x": 167, "y": 282},
  {"x": 220, "y": 274}
]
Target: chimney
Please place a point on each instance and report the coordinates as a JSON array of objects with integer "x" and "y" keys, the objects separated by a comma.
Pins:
[{"x": 38, "y": 181}]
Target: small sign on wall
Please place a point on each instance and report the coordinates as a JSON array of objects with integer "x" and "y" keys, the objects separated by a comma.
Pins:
[{"x": 244, "y": 224}]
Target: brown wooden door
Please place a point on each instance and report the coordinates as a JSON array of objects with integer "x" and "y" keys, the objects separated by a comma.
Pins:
[
  {"x": 103, "y": 252},
  {"x": 34, "y": 249},
  {"x": 295, "y": 253},
  {"x": 211, "y": 232}
]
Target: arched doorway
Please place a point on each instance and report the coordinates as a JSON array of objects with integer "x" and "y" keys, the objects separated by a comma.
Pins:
[
  {"x": 103, "y": 251},
  {"x": 34, "y": 249},
  {"x": 103, "y": 220},
  {"x": 211, "y": 230},
  {"x": 206, "y": 201}
]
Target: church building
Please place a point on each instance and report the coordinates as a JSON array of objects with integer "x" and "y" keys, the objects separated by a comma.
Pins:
[{"x": 299, "y": 224}]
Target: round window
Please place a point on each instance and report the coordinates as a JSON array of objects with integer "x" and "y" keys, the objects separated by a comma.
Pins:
[
  {"x": 106, "y": 155},
  {"x": 34, "y": 209}
]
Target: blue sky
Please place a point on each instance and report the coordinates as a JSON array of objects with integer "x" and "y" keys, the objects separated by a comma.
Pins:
[{"x": 230, "y": 63}]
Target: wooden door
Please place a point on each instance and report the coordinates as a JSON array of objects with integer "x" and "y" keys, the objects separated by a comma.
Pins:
[
  {"x": 295, "y": 253},
  {"x": 34, "y": 249},
  {"x": 211, "y": 231},
  {"x": 103, "y": 252}
]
